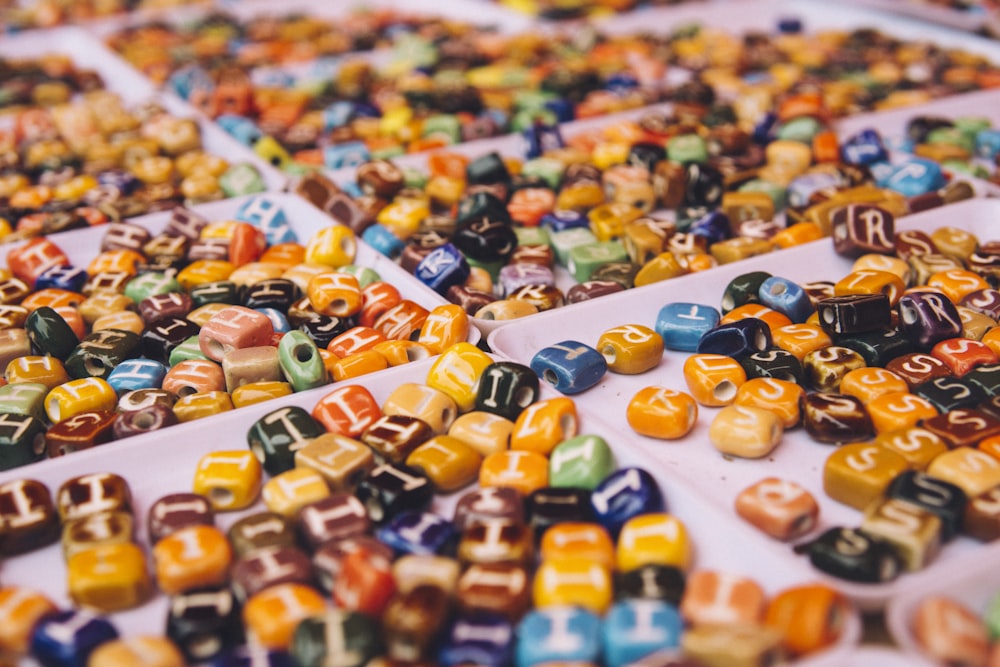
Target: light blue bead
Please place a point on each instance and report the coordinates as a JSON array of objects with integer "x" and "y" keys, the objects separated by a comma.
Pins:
[
  {"x": 635, "y": 628},
  {"x": 881, "y": 171},
  {"x": 134, "y": 374},
  {"x": 682, "y": 324},
  {"x": 379, "y": 237},
  {"x": 69, "y": 278},
  {"x": 271, "y": 77},
  {"x": 352, "y": 189},
  {"x": 421, "y": 533},
  {"x": 240, "y": 128},
  {"x": 337, "y": 115},
  {"x": 347, "y": 154},
  {"x": 188, "y": 79},
  {"x": 570, "y": 366},
  {"x": 442, "y": 268},
  {"x": 558, "y": 634},
  {"x": 803, "y": 187},
  {"x": 988, "y": 143},
  {"x": 270, "y": 218},
  {"x": 915, "y": 177},
  {"x": 865, "y": 147},
  {"x": 278, "y": 320},
  {"x": 786, "y": 297}
]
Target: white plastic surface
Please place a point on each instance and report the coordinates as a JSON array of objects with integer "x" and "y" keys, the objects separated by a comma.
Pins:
[
  {"x": 87, "y": 52},
  {"x": 163, "y": 462},
  {"x": 973, "y": 585},
  {"x": 866, "y": 656},
  {"x": 970, "y": 19},
  {"x": 693, "y": 458}
]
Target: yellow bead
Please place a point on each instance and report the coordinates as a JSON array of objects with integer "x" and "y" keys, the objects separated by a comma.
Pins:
[
  {"x": 973, "y": 470},
  {"x": 485, "y": 432},
  {"x": 739, "y": 248},
  {"x": 653, "y": 539},
  {"x": 357, "y": 364},
  {"x": 858, "y": 473},
  {"x": 204, "y": 271},
  {"x": 445, "y": 326},
  {"x": 800, "y": 339},
  {"x": 456, "y": 373},
  {"x": 229, "y": 479},
  {"x": 148, "y": 651},
  {"x": 957, "y": 283},
  {"x": 220, "y": 229},
  {"x": 428, "y": 404},
  {"x": 742, "y": 206},
  {"x": 608, "y": 221},
  {"x": 449, "y": 463},
  {"x": 893, "y": 265},
  {"x": 292, "y": 490},
  {"x": 255, "y": 272},
  {"x": 256, "y": 392},
  {"x": 775, "y": 395},
  {"x": 399, "y": 352},
  {"x": 43, "y": 370},
  {"x": 573, "y": 581},
  {"x": 125, "y": 320},
  {"x": 76, "y": 396},
  {"x": 745, "y": 431},
  {"x": 198, "y": 406},
  {"x": 193, "y": 557},
  {"x": 631, "y": 348},
  {"x": 403, "y": 216},
  {"x": 108, "y": 578},
  {"x": 662, "y": 267}
]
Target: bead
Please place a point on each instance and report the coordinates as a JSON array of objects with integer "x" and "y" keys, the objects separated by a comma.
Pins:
[
  {"x": 572, "y": 581},
  {"x": 22, "y": 440},
  {"x": 487, "y": 503},
  {"x": 263, "y": 568},
  {"x": 659, "y": 412},
  {"x": 780, "y": 508},
  {"x": 288, "y": 492},
  {"x": 681, "y": 325},
  {"x": 825, "y": 368},
  {"x": 348, "y": 410},
  {"x": 718, "y": 598},
  {"x": 849, "y": 554},
  {"x": 545, "y": 424},
  {"x": 501, "y": 588},
  {"x": 89, "y": 494},
  {"x": 900, "y": 410},
  {"x": 272, "y": 615},
  {"x": 153, "y": 651},
  {"x": 856, "y": 474},
  {"x": 982, "y": 515},
  {"x": 94, "y": 530},
  {"x": 580, "y": 462},
  {"x": 365, "y": 582},
  {"x": 918, "y": 368},
  {"x": 22, "y": 609},
  {"x": 624, "y": 494},
  {"x": 736, "y": 339},
  {"x": 346, "y": 638},
  {"x": 109, "y": 577},
  {"x": 963, "y": 427},
  {"x": 175, "y": 511},
  {"x": 193, "y": 557},
  {"x": 161, "y": 337},
  {"x": 506, "y": 389},
  {"x": 49, "y": 333},
  {"x": 199, "y": 406},
  {"x": 653, "y": 539},
  {"x": 961, "y": 355},
  {"x": 928, "y": 318},
  {"x": 947, "y": 631},
  {"x": 745, "y": 431},
  {"x": 430, "y": 405},
  {"x": 456, "y": 373},
  {"x": 394, "y": 437},
  {"x": 449, "y": 463},
  {"x": 25, "y": 398},
  {"x": 133, "y": 374},
  {"x": 233, "y": 328},
  {"x": 229, "y": 479},
  {"x": 917, "y": 445},
  {"x": 972, "y": 470},
  {"x": 401, "y": 321},
  {"x": 524, "y": 471},
  {"x": 867, "y": 384},
  {"x": 341, "y": 460},
  {"x": 914, "y": 532},
  {"x": 29, "y": 515},
  {"x": 943, "y": 499},
  {"x": 713, "y": 379},
  {"x": 558, "y": 634},
  {"x": 630, "y": 349},
  {"x": 77, "y": 396},
  {"x": 70, "y": 637},
  {"x": 389, "y": 489}
]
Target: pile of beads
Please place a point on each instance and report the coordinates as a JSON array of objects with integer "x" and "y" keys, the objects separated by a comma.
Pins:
[
  {"x": 560, "y": 555},
  {"x": 897, "y": 363},
  {"x": 48, "y": 13},
  {"x": 963, "y": 144},
  {"x": 73, "y": 163},
  {"x": 950, "y": 632},
  {"x": 198, "y": 319}
]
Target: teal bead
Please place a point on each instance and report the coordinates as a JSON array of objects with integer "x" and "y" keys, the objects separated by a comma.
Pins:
[
  {"x": 445, "y": 125},
  {"x": 777, "y": 192},
  {"x": 564, "y": 241},
  {"x": 415, "y": 178},
  {"x": 581, "y": 462},
  {"x": 189, "y": 350},
  {"x": 301, "y": 362},
  {"x": 100, "y": 352},
  {"x": 151, "y": 284},
  {"x": 532, "y": 236},
  {"x": 22, "y": 440},
  {"x": 219, "y": 291},
  {"x": 547, "y": 169},
  {"x": 583, "y": 260},
  {"x": 365, "y": 275},
  {"x": 242, "y": 179},
  {"x": 803, "y": 129},
  {"x": 24, "y": 398},
  {"x": 50, "y": 334},
  {"x": 687, "y": 148}
]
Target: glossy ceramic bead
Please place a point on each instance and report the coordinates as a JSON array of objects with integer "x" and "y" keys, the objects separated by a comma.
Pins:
[
  {"x": 263, "y": 568},
  {"x": 25, "y": 398},
  {"x": 88, "y": 494},
  {"x": 825, "y": 368},
  {"x": 49, "y": 333},
  {"x": 896, "y": 411},
  {"x": 448, "y": 462},
  {"x": 961, "y": 355},
  {"x": 506, "y": 389},
  {"x": 580, "y": 462},
  {"x": 974, "y": 471},
  {"x": 867, "y": 384},
  {"x": 851, "y": 555},
  {"x": 943, "y": 499},
  {"x": 557, "y": 634},
  {"x": 22, "y": 609},
  {"x": 572, "y": 581},
  {"x": 544, "y": 424},
  {"x": 288, "y": 492},
  {"x": 389, "y": 489},
  {"x": 232, "y": 328},
  {"x": 401, "y": 321},
  {"x": 659, "y": 412},
  {"x": 30, "y": 516},
  {"x": 348, "y": 410},
  {"x": 416, "y": 532},
  {"x": 917, "y": 445},
  {"x": 22, "y": 440},
  {"x": 624, "y": 494},
  {"x": 712, "y": 597},
  {"x": 849, "y": 314},
  {"x": 176, "y": 511},
  {"x": 161, "y": 337},
  {"x": 193, "y": 557},
  {"x": 430, "y": 405},
  {"x": 713, "y": 379},
  {"x": 231, "y": 480},
  {"x": 963, "y": 427},
  {"x": 858, "y": 473},
  {"x": 833, "y": 418},
  {"x": 928, "y": 318},
  {"x": 348, "y": 638},
  {"x": 69, "y": 637},
  {"x": 108, "y": 577},
  {"x": 271, "y": 616},
  {"x": 488, "y": 503},
  {"x": 653, "y": 539},
  {"x": 863, "y": 228},
  {"x": 745, "y": 431},
  {"x": 914, "y": 531},
  {"x": 134, "y": 374},
  {"x": 394, "y": 437},
  {"x": 917, "y": 368},
  {"x": 501, "y": 588},
  {"x": 810, "y": 617},
  {"x": 630, "y": 349},
  {"x": 982, "y": 515},
  {"x": 456, "y": 373},
  {"x": 946, "y": 630}
]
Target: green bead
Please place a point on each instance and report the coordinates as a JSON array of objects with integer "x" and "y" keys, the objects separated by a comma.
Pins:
[
  {"x": 412, "y": 51},
  {"x": 275, "y": 437},
  {"x": 622, "y": 273},
  {"x": 297, "y": 169},
  {"x": 49, "y": 333},
  {"x": 242, "y": 179},
  {"x": 22, "y": 440},
  {"x": 365, "y": 275},
  {"x": 388, "y": 152},
  {"x": 24, "y": 398},
  {"x": 583, "y": 260},
  {"x": 219, "y": 291},
  {"x": 300, "y": 361},
  {"x": 414, "y": 178},
  {"x": 970, "y": 126},
  {"x": 151, "y": 284},
  {"x": 777, "y": 193},
  {"x": 525, "y": 120},
  {"x": 686, "y": 148},
  {"x": 803, "y": 129},
  {"x": 532, "y": 236},
  {"x": 582, "y": 462},
  {"x": 547, "y": 169},
  {"x": 189, "y": 350},
  {"x": 992, "y": 617},
  {"x": 443, "y": 125},
  {"x": 533, "y": 100},
  {"x": 952, "y": 136},
  {"x": 99, "y": 352},
  {"x": 564, "y": 241},
  {"x": 358, "y": 637}
]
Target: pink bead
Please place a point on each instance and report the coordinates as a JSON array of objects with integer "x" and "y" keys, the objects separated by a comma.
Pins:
[
  {"x": 194, "y": 376},
  {"x": 234, "y": 328}
]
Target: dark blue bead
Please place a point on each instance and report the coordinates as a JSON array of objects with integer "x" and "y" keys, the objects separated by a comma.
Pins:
[
  {"x": 133, "y": 374},
  {"x": 558, "y": 634},
  {"x": 563, "y": 109},
  {"x": 62, "y": 277},
  {"x": 541, "y": 138},
  {"x": 569, "y": 366},
  {"x": 67, "y": 638},
  {"x": 484, "y": 638},
  {"x": 633, "y": 629},
  {"x": 787, "y": 297},
  {"x": 864, "y": 148},
  {"x": 379, "y": 237},
  {"x": 123, "y": 180},
  {"x": 714, "y": 227},
  {"x": 240, "y": 128},
  {"x": 681, "y": 324},
  {"x": 558, "y": 221},
  {"x": 625, "y": 493},
  {"x": 621, "y": 82},
  {"x": 789, "y": 25},
  {"x": 737, "y": 339},
  {"x": 415, "y": 532},
  {"x": 442, "y": 268},
  {"x": 764, "y": 130}
]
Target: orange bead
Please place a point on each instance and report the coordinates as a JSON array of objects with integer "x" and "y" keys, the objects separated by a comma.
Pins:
[
  {"x": 713, "y": 379},
  {"x": 583, "y": 540},
  {"x": 957, "y": 283},
  {"x": 797, "y": 234},
  {"x": 773, "y": 318},
  {"x": 355, "y": 339},
  {"x": 357, "y": 364},
  {"x": 800, "y": 339},
  {"x": 659, "y": 412},
  {"x": 899, "y": 410},
  {"x": 544, "y": 424},
  {"x": 826, "y": 146},
  {"x": 123, "y": 261},
  {"x": 719, "y": 598},
  {"x": 779, "y": 396},
  {"x": 961, "y": 355},
  {"x": 445, "y": 326},
  {"x": 285, "y": 254},
  {"x": 246, "y": 244},
  {"x": 347, "y": 410},
  {"x": 870, "y": 382},
  {"x": 272, "y": 615},
  {"x": 521, "y": 470},
  {"x": 810, "y": 617},
  {"x": 778, "y": 507},
  {"x": 192, "y": 557},
  {"x": 32, "y": 259}
]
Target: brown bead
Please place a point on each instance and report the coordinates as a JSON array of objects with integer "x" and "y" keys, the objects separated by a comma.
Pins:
[
  {"x": 500, "y": 502},
  {"x": 394, "y": 437},
  {"x": 261, "y": 568},
  {"x": 982, "y": 516},
  {"x": 497, "y": 587},
  {"x": 543, "y": 297},
  {"x": 542, "y": 255},
  {"x": 413, "y": 620},
  {"x": 261, "y": 531},
  {"x": 916, "y": 368},
  {"x": 826, "y": 367},
  {"x": 835, "y": 418},
  {"x": 82, "y": 431},
  {"x": 94, "y": 530},
  {"x": 98, "y": 492},
  {"x": 592, "y": 289},
  {"x": 337, "y": 517},
  {"x": 963, "y": 427},
  {"x": 175, "y": 511},
  {"x": 863, "y": 228},
  {"x": 28, "y": 516},
  {"x": 497, "y": 540},
  {"x": 470, "y": 300}
]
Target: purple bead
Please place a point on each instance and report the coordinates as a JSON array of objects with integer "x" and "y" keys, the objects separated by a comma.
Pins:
[
  {"x": 67, "y": 638},
  {"x": 484, "y": 638},
  {"x": 515, "y": 276},
  {"x": 625, "y": 493},
  {"x": 714, "y": 227},
  {"x": 927, "y": 318},
  {"x": 125, "y": 182},
  {"x": 557, "y": 221},
  {"x": 421, "y": 533}
]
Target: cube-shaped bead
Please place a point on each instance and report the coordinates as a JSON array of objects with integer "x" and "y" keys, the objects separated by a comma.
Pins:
[
  {"x": 914, "y": 531},
  {"x": 70, "y": 637},
  {"x": 659, "y": 412},
  {"x": 555, "y": 634},
  {"x": 778, "y": 507},
  {"x": 231, "y": 480},
  {"x": 624, "y": 494},
  {"x": 857, "y": 474},
  {"x": 109, "y": 577},
  {"x": 681, "y": 325}
]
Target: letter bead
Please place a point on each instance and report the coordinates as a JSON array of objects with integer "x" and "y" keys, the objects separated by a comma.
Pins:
[
  {"x": 681, "y": 325},
  {"x": 506, "y": 389},
  {"x": 456, "y": 373},
  {"x": 175, "y": 511},
  {"x": 719, "y": 598},
  {"x": 341, "y": 637},
  {"x": 230, "y": 480},
  {"x": 544, "y": 424},
  {"x": 108, "y": 577},
  {"x": 288, "y": 492},
  {"x": 972, "y": 470},
  {"x": 275, "y": 437},
  {"x": 271, "y": 616},
  {"x": 234, "y": 327},
  {"x": 150, "y": 651},
  {"x": 913, "y": 531},
  {"x": 558, "y": 635},
  {"x": 624, "y": 494},
  {"x": 745, "y": 431},
  {"x": 779, "y": 508},
  {"x": 572, "y": 581},
  {"x": 713, "y": 379},
  {"x": 569, "y": 366},
  {"x": 659, "y": 412},
  {"x": 928, "y": 318},
  {"x": 653, "y": 539},
  {"x": 631, "y": 349},
  {"x": 949, "y": 632},
  {"x": 348, "y": 410},
  {"x": 70, "y": 637},
  {"x": 88, "y": 494},
  {"x": 580, "y": 462},
  {"x": 523, "y": 471},
  {"x": 190, "y": 558},
  {"x": 835, "y": 418},
  {"x": 778, "y": 396},
  {"x": 20, "y": 611},
  {"x": 77, "y": 396},
  {"x": 851, "y": 555},
  {"x": 857, "y": 474},
  {"x": 810, "y": 617},
  {"x": 389, "y": 489},
  {"x": 488, "y": 503},
  {"x": 432, "y": 406},
  {"x": 982, "y": 516}
]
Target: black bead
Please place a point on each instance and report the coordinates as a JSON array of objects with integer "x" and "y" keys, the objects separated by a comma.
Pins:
[
  {"x": 849, "y": 554},
  {"x": 937, "y": 496},
  {"x": 393, "y": 488}
]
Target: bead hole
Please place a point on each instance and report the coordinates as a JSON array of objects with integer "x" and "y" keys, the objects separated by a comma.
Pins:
[
  {"x": 186, "y": 390},
  {"x": 54, "y": 410},
  {"x": 303, "y": 353},
  {"x": 215, "y": 348},
  {"x": 485, "y": 315},
  {"x": 338, "y": 306},
  {"x": 760, "y": 341},
  {"x": 609, "y": 353},
  {"x": 802, "y": 525},
  {"x": 909, "y": 315},
  {"x": 447, "y": 417},
  {"x": 204, "y": 646},
  {"x": 221, "y": 497},
  {"x": 524, "y": 397},
  {"x": 347, "y": 245},
  {"x": 777, "y": 289},
  {"x": 724, "y": 391},
  {"x": 417, "y": 352},
  {"x": 144, "y": 421},
  {"x": 38, "y": 444},
  {"x": 828, "y": 315},
  {"x": 550, "y": 376},
  {"x": 93, "y": 366},
  {"x": 568, "y": 425}
]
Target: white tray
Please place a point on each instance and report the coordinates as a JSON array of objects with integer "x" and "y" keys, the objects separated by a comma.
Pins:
[
  {"x": 164, "y": 462},
  {"x": 970, "y": 19},
  {"x": 694, "y": 458},
  {"x": 89, "y": 53},
  {"x": 866, "y": 656},
  {"x": 973, "y": 585}
]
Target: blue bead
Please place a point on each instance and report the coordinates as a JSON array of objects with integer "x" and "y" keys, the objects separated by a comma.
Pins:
[
  {"x": 881, "y": 171},
  {"x": 682, "y": 324},
  {"x": 67, "y": 638},
  {"x": 337, "y": 115},
  {"x": 803, "y": 187},
  {"x": 635, "y": 628},
  {"x": 558, "y": 634},
  {"x": 569, "y": 366},
  {"x": 422, "y": 533},
  {"x": 268, "y": 216},
  {"x": 558, "y": 221},
  {"x": 255, "y": 657},
  {"x": 442, "y": 268},
  {"x": 621, "y": 83},
  {"x": 714, "y": 227},
  {"x": 484, "y": 638},
  {"x": 865, "y": 147},
  {"x": 346, "y": 154},
  {"x": 737, "y": 339},
  {"x": 271, "y": 77},
  {"x": 541, "y": 138},
  {"x": 384, "y": 241},
  {"x": 278, "y": 319},
  {"x": 188, "y": 79},
  {"x": 240, "y": 128},
  {"x": 988, "y": 143},
  {"x": 790, "y": 25},
  {"x": 123, "y": 180},
  {"x": 786, "y": 297},
  {"x": 915, "y": 177},
  {"x": 564, "y": 110},
  {"x": 133, "y": 374},
  {"x": 62, "y": 277},
  {"x": 625, "y": 493},
  {"x": 763, "y": 131},
  {"x": 352, "y": 189}
]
